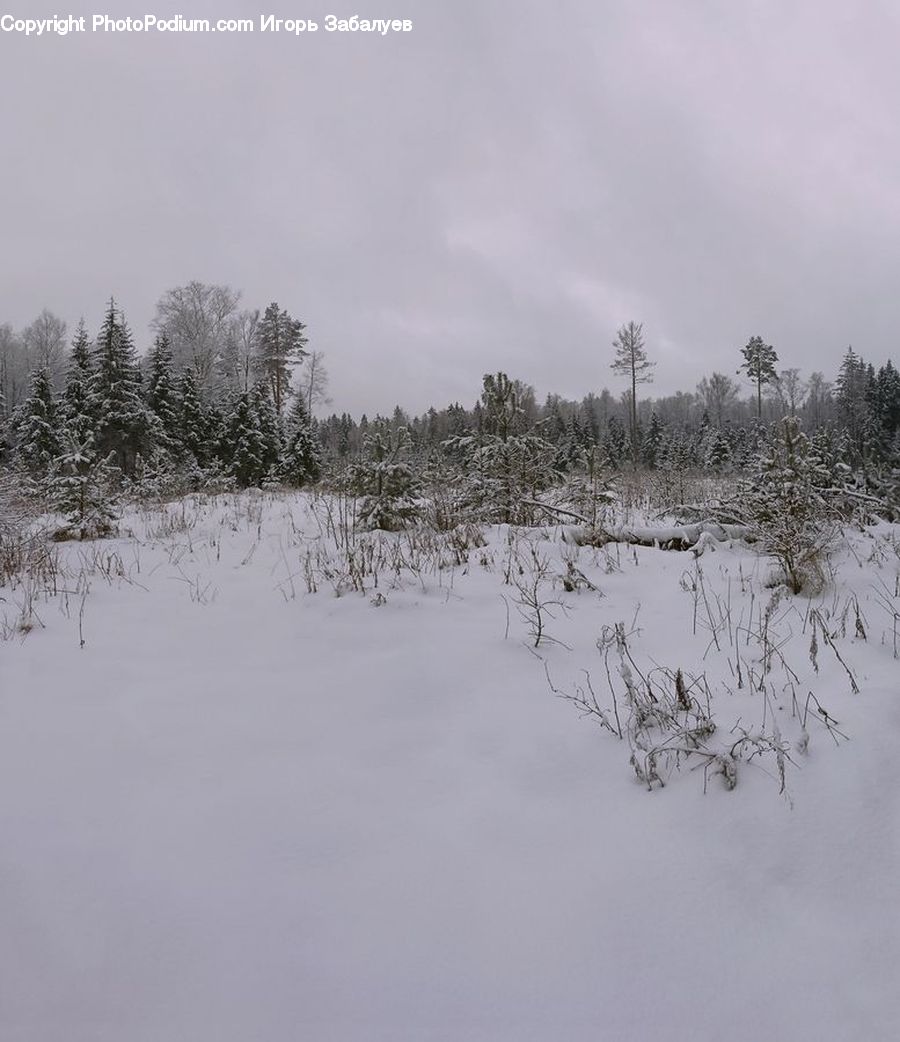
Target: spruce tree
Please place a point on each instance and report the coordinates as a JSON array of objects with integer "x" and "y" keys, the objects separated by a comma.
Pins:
[
  {"x": 302, "y": 455},
  {"x": 79, "y": 486},
  {"x": 37, "y": 425},
  {"x": 678, "y": 456},
  {"x": 554, "y": 424},
  {"x": 886, "y": 400},
  {"x": 122, "y": 422},
  {"x": 651, "y": 444},
  {"x": 269, "y": 423},
  {"x": 345, "y": 433},
  {"x": 193, "y": 419},
  {"x": 853, "y": 397},
  {"x": 715, "y": 451},
  {"x": 614, "y": 441},
  {"x": 244, "y": 446},
  {"x": 79, "y": 414},
  {"x": 216, "y": 415},
  {"x": 161, "y": 394}
]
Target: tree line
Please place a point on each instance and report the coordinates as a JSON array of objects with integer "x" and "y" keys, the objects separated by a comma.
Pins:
[
  {"x": 217, "y": 399},
  {"x": 713, "y": 428}
]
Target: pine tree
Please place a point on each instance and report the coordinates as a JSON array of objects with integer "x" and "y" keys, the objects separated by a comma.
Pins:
[
  {"x": 122, "y": 422},
  {"x": 786, "y": 502},
  {"x": 591, "y": 488},
  {"x": 507, "y": 463},
  {"x": 631, "y": 361},
  {"x": 37, "y": 425},
  {"x": 302, "y": 455},
  {"x": 759, "y": 365},
  {"x": 385, "y": 480},
  {"x": 281, "y": 341},
  {"x": 501, "y": 399}
]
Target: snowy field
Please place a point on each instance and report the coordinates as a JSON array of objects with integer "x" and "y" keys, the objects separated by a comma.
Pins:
[{"x": 232, "y": 809}]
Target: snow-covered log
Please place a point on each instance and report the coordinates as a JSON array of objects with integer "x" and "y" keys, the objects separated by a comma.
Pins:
[{"x": 676, "y": 537}]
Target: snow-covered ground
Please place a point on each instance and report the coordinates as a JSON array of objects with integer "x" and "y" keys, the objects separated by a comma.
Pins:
[{"x": 245, "y": 811}]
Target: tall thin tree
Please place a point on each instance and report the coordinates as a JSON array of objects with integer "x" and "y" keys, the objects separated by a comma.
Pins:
[
  {"x": 759, "y": 365},
  {"x": 631, "y": 361}
]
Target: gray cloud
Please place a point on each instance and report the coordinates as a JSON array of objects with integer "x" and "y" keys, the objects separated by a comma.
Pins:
[{"x": 500, "y": 188}]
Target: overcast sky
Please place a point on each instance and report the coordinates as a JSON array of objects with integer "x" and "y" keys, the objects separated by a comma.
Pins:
[{"x": 500, "y": 188}]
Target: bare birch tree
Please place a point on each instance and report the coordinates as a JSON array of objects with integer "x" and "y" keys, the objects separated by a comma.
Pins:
[
  {"x": 239, "y": 357},
  {"x": 197, "y": 318},
  {"x": 14, "y": 370},
  {"x": 45, "y": 343},
  {"x": 314, "y": 382},
  {"x": 718, "y": 392},
  {"x": 789, "y": 390}
]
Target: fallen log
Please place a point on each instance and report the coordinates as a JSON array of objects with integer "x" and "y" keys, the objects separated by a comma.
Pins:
[{"x": 678, "y": 537}]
